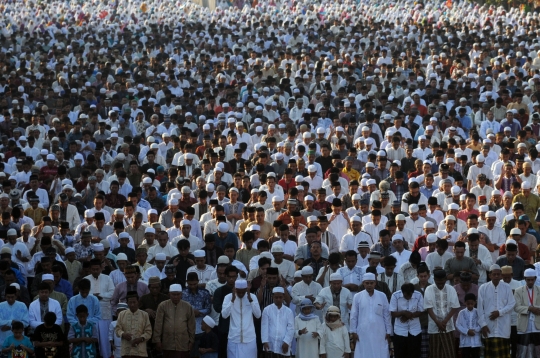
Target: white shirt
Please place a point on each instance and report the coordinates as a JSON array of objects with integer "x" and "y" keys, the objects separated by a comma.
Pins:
[
  {"x": 105, "y": 287},
  {"x": 468, "y": 320},
  {"x": 34, "y": 312},
  {"x": 300, "y": 290},
  {"x": 345, "y": 300},
  {"x": 373, "y": 230},
  {"x": 277, "y": 327},
  {"x": 203, "y": 275},
  {"x": 442, "y": 302},
  {"x": 169, "y": 251},
  {"x": 497, "y": 237},
  {"x": 289, "y": 247},
  {"x": 153, "y": 271},
  {"x": 485, "y": 257},
  {"x": 398, "y": 303},
  {"x": 43, "y": 196},
  {"x": 496, "y": 298},
  {"x": 401, "y": 258},
  {"x": 350, "y": 241},
  {"x": 435, "y": 260},
  {"x": 241, "y": 311}
]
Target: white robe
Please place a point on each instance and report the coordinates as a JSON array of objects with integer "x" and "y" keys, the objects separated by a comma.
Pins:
[
  {"x": 300, "y": 290},
  {"x": 334, "y": 343},
  {"x": 306, "y": 345},
  {"x": 277, "y": 327},
  {"x": 500, "y": 298},
  {"x": 34, "y": 312},
  {"x": 370, "y": 320}
]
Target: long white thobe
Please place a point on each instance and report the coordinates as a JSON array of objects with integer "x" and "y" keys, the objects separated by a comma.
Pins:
[
  {"x": 496, "y": 298},
  {"x": 105, "y": 287},
  {"x": 370, "y": 320},
  {"x": 306, "y": 345},
  {"x": 241, "y": 311},
  {"x": 277, "y": 327},
  {"x": 8, "y": 313}
]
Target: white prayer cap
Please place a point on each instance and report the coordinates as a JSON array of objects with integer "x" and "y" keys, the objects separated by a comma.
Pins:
[
  {"x": 240, "y": 284},
  {"x": 199, "y": 253},
  {"x": 483, "y": 208},
  {"x": 98, "y": 247},
  {"x": 298, "y": 274},
  {"x": 209, "y": 321},
  {"x": 480, "y": 158},
  {"x": 397, "y": 237},
  {"x": 299, "y": 178},
  {"x": 495, "y": 192},
  {"x": 150, "y": 230},
  {"x": 336, "y": 277},
  {"x": 450, "y": 217},
  {"x": 432, "y": 238},
  {"x": 120, "y": 257},
  {"x": 529, "y": 273},
  {"x": 307, "y": 270},
  {"x": 185, "y": 223},
  {"x": 441, "y": 233},
  {"x": 453, "y": 206},
  {"x": 369, "y": 277},
  {"x": 152, "y": 211},
  {"x": 413, "y": 208},
  {"x": 429, "y": 225},
  {"x": 255, "y": 227},
  {"x": 472, "y": 230},
  {"x": 278, "y": 289},
  {"x": 47, "y": 277},
  {"x": 355, "y": 218},
  {"x": 312, "y": 169},
  {"x": 526, "y": 185},
  {"x": 123, "y": 235},
  {"x": 173, "y": 202},
  {"x": 495, "y": 267},
  {"x": 491, "y": 214},
  {"x": 16, "y": 285},
  {"x": 175, "y": 288},
  {"x": 515, "y": 231},
  {"x": 455, "y": 190},
  {"x": 69, "y": 250},
  {"x": 400, "y": 217},
  {"x": 162, "y": 257},
  {"x": 223, "y": 227},
  {"x": 311, "y": 218}
]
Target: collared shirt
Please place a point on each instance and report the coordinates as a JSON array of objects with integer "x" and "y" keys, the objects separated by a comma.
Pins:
[
  {"x": 82, "y": 251},
  {"x": 442, "y": 302},
  {"x": 201, "y": 301},
  {"x": 353, "y": 275},
  {"x": 138, "y": 325},
  {"x": 241, "y": 311},
  {"x": 398, "y": 303},
  {"x": 467, "y": 320}
]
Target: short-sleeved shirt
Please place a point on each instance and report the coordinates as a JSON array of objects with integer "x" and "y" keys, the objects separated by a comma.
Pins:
[
  {"x": 17, "y": 352},
  {"x": 53, "y": 334}
]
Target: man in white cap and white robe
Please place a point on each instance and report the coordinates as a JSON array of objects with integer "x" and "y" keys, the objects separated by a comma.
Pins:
[
  {"x": 335, "y": 293},
  {"x": 307, "y": 288},
  {"x": 102, "y": 287},
  {"x": 528, "y": 316},
  {"x": 277, "y": 327},
  {"x": 370, "y": 321},
  {"x": 204, "y": 272},
  {"x": 241, "y": 306},
  {"x": 158, "y": 269},
  {"x": 495, "y": 305}
]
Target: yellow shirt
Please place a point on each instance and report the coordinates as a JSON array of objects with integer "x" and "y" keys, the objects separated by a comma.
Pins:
[
  {"x": 352, "y": 174},
  {"x": 138, "y": 325}
]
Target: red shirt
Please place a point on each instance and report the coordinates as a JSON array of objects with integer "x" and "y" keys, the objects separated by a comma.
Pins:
[{"x": 463, "y": 214}]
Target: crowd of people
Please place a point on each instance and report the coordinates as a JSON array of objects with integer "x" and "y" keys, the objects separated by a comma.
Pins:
[{"x": 311, "y": 179}]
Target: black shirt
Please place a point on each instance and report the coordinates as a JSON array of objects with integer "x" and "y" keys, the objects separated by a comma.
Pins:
[{"x": 53, "y": 334}]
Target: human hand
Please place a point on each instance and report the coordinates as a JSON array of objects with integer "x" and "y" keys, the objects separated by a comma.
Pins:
[
  {"x": 157, "y": 346},
  {"x": 485, "y": 331},
  {"x": 315, "y": 335},
  {"x": 304, "y": 331},
  {"x": 285, "y": 348},
  {"x": 494, "y": 315},
  {"x": 266, "y": 347},
  {"x": 471, "y": 333},
  {"x": 127, "y": 336},
  {"x": 355, "y": 337}
]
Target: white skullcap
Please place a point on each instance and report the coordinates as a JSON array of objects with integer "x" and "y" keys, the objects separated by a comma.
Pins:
[
  {"x": 223, "y": 227},
  {"x": 529, "y": 273},
  {"x": 162, "y": 257},
  {"x": 199, "y": 253},
  {"x": 175, "y": 288},
  {"x": 307, "y": 270},
  {"x": 336, "y": 277},
  {"x": 209, "y": 321},
  {"x": 185, "y": 223},
  {"x": 369, "y": 277},
  {"x": 432, "y": 238},
  {"x": 240, "y": 284}
]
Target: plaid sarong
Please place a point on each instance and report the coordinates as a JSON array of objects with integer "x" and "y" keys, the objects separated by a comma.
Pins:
[
  {"x": 441, "y": 345},
  {"x": 496, "y": 347},
  {"x": 424, "y": 347}
]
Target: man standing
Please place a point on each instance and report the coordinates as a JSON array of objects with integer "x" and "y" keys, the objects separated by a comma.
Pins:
[
  {"x": 370, "y": 321},
  {"x": 335, "y": 293},
  {"x": 528, "y": 321},
  {"x": 241, "y": 306},
  {"x": 277, "y": 327},
  {"x": 406, "y": 306},
  {"x": 174, "y": 330},
  {"x": 441, "y": 302},
  {"x": 11, "y": 310},
  {"x": 131, "y": 284},
  {"x": 495, "y": 305},
  {"x": 102, "y": 287},
  {"x": 133, "y": 327},
  {"x": 306, "y": 289}
]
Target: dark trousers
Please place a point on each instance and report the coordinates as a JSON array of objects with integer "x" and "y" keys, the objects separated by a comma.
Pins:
[
  {"x": 223, "y": 344},
  {"x": 514, "y": 338},
  {"x": 407, "y": 347},
  {"x": 468, "y": 352}
]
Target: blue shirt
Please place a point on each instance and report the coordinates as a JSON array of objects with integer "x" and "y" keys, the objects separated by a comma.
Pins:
[
  {"x": 200, "y": 301},
  {"x": 91, "y": 302},
  {"x": 230, "y": 238},
  {"x": 25, "y": 341},
  {"x": 426, "y": 191},
  {"x": 466, "y": 123},
  {"x": 63, "y": 286},
  {"x": 16, "y": 312}
]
